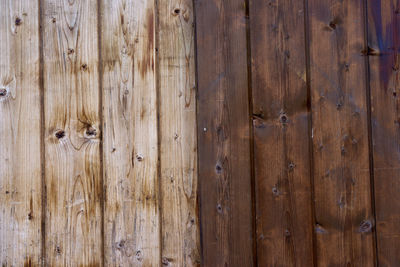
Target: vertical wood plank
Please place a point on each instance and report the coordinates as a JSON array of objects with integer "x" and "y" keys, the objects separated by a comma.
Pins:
[
  {"x": 20, "y": 146},
  {"x": 224, "y": 134},
  {"x": 130, "y": 133},
  {"x": 281, "y": 133},
  {"x": 344, "y": 220},
  {"x": 178, "y": 135},
  {"x": 72, "y": 133},
  {"x": 384, "y": 61}
]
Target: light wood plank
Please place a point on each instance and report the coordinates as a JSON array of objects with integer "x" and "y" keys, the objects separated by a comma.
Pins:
[
  {"x": 178, "y": 140},
  {"x": 72, "y": 133},
  {"x": 20, "y": 169},
  {"x": 343, "y": 208},
  {"x": 132, "y": 234}
]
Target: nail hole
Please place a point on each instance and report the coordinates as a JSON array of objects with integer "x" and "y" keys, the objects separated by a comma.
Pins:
[
  {"x": 332, "y": 25},
  {"x": 219, "y": 208},
  {"x": 120, "y": 244},
  {"x": 53, "y": 20},
  {"x": 30, "y": 216},
  {"x": 84, "y": 67},
  {"x": 275, "y": 191},
  {"x": 283, "y": 118},
  {"x": 90, "y": 131},
  {"x": 139, "y": 157},
  {"x": 177, "y": 11},
  {"x": 60, "y": 134},
  {"x": 365, "y": 226},
  {"x": 218, "y": 168},
  {"x": 58, "y": 250},
  {"x": 291, "y": 166},
  {"x": 18, "y": 21},
  {"x": 3, "y": 91}
]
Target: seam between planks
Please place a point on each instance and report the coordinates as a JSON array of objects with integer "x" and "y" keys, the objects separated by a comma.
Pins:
[
  {"x": 158, "y": 103},
  {"x": 310, "y": 127},
  {"x": 251, "y": 132},
  {"x": 42, "y": 143},
  {"x": 101, "y": 119},
  {"x": 198, "y": 195},
  {"x": 369, "y": 124}
]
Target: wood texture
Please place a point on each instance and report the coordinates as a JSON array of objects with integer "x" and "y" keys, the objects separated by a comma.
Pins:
[
  {"x": 224, "y": 134},
  {"x": 384, "y": 45},
  {"x": 178, "y": 140},
  {"x": 130, "y": 133},
  {"x": 281, "y": 134},
  {"x": 20, "y": 168},
  {"x": 72, "y": 133},
  {"x": 344, "y": 220}
]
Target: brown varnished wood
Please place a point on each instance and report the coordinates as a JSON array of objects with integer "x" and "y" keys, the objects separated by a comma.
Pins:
[
  {"x": 281, "y": 134},
  {"x": 344, "y": 222},
  {"x": 224, "y": 134},
  {"x": 384, "y": 45}
]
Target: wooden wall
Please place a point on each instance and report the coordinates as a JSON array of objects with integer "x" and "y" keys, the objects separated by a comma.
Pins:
[{"x": 199, "y": 132}]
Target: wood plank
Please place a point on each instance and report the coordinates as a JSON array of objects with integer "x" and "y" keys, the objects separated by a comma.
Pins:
[
  {"x": 343, "y": 213},
  {"x": 281, "y": 134},
  {"x": 72, "y": 133},
  {"x": 178, "y": 133},
  {"x": 384, "y": 45},
  {"x": 20, "y": 171},
  {"x": 132, "y": 234},
  {"x": 224, "y": 134}
]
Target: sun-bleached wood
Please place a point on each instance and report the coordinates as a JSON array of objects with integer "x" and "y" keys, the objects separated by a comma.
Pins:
[
  {"x": 132, "y": 233},
  {"x": 20, "y": 167},
  {"x": 178, "y": 144},
  {"x": 72, "y": 133}
]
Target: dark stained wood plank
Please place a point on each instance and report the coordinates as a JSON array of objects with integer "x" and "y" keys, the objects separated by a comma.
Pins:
[
  {"x": 72, "y": 133},
  {"x": 384, "y": 62},
  {"x": 281, "y": 133},
  {"x": 131, "y": 215},
  {"x": 224, "y": 134},
  {"x": 20, "y": 134},
  {"x": 343, "y": 208}
]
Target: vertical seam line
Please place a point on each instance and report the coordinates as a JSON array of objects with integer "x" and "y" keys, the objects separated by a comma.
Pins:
[
  {"x": 310, "y": 128},
  {"x": 370, "y": 137}
]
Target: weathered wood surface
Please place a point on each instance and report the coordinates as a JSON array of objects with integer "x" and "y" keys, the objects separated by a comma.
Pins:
[
  {"x": 20, "y": 145},
  {"x": 344, "y": 220},
  {"x": 277, "y": 147},
  {"x": 281, "y": 134},
  {"x": 224, "y": 134},
  {"x": 132, "y": 227},
  {"x": 383, "y": 54},
  {"x": 180, "y": 240},
  {"x": 72, "y": 133}
]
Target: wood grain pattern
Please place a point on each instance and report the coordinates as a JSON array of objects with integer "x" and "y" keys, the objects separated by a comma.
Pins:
[
  {"x": 178, "y": 140},
  {"x": 72, "y": 133},
  {"x": 383, "y": 52},
  {"x": 281, "y": 134},
  {"x": 344, "y": 220},
  {"x": 130, "y": 133},
  {"x": 20, "y": 168},
  {"x": 224, "y": 134}
]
